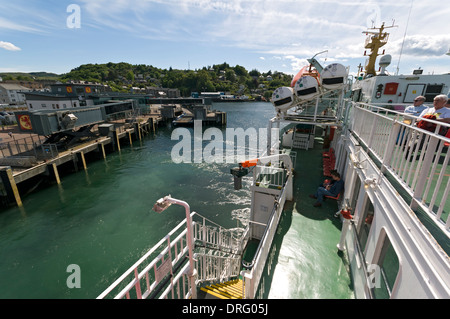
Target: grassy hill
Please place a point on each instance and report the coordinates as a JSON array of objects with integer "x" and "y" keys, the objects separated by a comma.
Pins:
[{"x": 122, "y": 76}]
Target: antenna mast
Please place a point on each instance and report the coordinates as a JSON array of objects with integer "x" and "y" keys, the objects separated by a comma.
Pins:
[
  {"x": 375, "y": 40},
  {"x": 404, "y": 37}
]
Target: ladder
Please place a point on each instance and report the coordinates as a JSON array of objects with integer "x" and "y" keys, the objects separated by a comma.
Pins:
[{"x": 300, "y": 141}]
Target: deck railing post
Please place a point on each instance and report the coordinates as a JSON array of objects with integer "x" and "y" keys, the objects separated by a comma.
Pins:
[
  {"x": 389, "y": 150},
  {"x": 424, "y": 171},
  {"x": 138, "y": 284},
  {"x": 345, "y": 227}
]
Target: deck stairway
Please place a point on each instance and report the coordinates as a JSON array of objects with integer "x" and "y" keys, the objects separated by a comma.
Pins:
[
  {"x": 233, "y": 289},
  {"x": 201, "y": 259},
  {"x": 300, "y": 141}
]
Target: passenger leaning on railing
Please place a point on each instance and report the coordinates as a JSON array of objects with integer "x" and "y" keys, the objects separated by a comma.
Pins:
[
  {"x": 437, "y": 113},
  {"x": 418, "y": 107}
]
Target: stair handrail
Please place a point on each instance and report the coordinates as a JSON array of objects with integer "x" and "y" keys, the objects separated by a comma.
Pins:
[
  {"x": 228, "y": 239},
  {"x": 216, "y": 268}
]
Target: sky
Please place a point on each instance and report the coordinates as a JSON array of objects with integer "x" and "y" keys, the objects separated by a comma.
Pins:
[{"x": 278, "y": 35}]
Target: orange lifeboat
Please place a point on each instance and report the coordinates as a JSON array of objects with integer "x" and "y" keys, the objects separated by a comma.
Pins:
[{"x": 306, "y": 70}]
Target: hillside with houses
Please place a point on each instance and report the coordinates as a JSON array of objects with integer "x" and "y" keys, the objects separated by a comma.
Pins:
[{"x": 127, "y": 78}]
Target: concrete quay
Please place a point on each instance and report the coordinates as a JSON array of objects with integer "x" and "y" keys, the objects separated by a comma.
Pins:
[{"x": 118, "y": 134}]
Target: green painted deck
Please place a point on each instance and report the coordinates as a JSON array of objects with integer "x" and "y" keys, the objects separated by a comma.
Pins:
[{"x": 306, "y": 261}]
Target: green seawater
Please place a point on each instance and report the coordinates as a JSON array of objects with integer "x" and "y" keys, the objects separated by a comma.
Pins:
[{"x": 101, "y": 219}]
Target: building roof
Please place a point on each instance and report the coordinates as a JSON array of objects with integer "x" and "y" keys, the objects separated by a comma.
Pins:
[
  {"x": 46, "y": 96},
  {"x": 15, "y": 87}
]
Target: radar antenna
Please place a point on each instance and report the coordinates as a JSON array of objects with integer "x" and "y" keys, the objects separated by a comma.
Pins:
[{"x": 375, "y": 40}]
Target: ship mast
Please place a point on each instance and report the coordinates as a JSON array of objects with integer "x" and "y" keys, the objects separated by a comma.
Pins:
[{"x": 374, "y": 41}]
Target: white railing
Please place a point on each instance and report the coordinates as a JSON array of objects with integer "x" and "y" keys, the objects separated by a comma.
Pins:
[
  {"x": 214, "y": 236},
  {"x": 145, "y": 278},
  {"x": 217, "y": 267},
  {"x": 416, "y": 158},
  {"x": 253, "y": 275},
  {"x": 162, "y": 271},
  {"x": 268, "y": 176}
]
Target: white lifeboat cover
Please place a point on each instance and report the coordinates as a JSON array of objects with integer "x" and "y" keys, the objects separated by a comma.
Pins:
[
  {"x": 283, "y": 98},
  {"x": 333, "y": 76},
  {"x": 306, "y": 88}
]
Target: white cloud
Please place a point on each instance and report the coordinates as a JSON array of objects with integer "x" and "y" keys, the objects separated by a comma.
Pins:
[
  {"x": 9, "y": 46},
  {"x": 421, "y": 45},
  {"x": 30, "y": 17},
  {"x": 8, "y": 24},
  {"x": 290, "y": 30},
  {"x": 286, "y": 32}
]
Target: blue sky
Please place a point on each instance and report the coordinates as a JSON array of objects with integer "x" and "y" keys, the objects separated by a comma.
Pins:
[{"x": 275, "y": 35}]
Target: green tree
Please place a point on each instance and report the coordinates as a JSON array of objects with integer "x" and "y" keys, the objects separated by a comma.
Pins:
[{"x": 130, "y": 76}]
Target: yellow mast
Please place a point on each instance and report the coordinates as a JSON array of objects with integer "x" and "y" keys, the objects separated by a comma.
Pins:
[{"x": 374, "y": 42}]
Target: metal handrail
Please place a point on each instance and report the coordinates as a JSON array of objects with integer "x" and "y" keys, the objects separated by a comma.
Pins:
[
  {"x": 408, "y": 153},
  {"x": 266, "y": 230}
]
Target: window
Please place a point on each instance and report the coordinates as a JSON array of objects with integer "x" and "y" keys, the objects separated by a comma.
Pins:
[
  {"x": 389, "y": 265},
  {"x": 432, "y": 91},
  {"x": 365, "y": 222},
  {"x": 31, "y": 106},
  {"x": 64, "y": 105},
  {"x": 43, "y": 105},
  {"x": 355, "y": 193}
]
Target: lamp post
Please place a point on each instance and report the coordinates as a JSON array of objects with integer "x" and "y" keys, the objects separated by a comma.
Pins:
[{"x": 161, "y": 205}]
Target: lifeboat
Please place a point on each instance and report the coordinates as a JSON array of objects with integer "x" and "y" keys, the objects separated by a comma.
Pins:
[
  {"x": 283, "y": 98},
  {"x": 306, "y": 70},
  {"x": 306, "y": 88},
  {"x": 333, "y": 76}
]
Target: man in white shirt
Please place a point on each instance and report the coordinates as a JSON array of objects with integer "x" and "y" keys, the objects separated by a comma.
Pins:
[
  {"x": 437, "y": 113},
  {"x": 418, "y": 107},
  {"x": 439, "y": 110}
]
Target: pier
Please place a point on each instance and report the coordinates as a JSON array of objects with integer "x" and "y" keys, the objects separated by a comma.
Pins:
[
  {"x": 23, "y": 158},
  {"x": 42, "y": 153}
]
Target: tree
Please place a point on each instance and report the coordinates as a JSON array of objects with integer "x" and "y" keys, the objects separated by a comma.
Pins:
[
  {"x": 254, "y": 72},
  {"x": 230, "y": 75},
  {"x": 130, "y": 76},
  {"x": 119, "y": 74},
  {"x": 240, "y": 70}
]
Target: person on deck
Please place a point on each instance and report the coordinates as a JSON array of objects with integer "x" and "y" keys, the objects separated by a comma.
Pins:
[
  {"x": 438, "y": 109},
  {"x": 330, "y": 190},
  {"x": 439, "y": 112},
  {"x": 418, "y": 107}
]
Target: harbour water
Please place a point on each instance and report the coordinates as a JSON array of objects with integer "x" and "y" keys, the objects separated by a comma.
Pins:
[{"x": 101, "y": 219}]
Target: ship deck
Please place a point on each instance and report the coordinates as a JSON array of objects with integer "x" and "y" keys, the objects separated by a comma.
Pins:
[{"x": 306, "y": 261}]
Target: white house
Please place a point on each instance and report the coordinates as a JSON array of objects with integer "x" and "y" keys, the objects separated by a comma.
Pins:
[
  {"x": 48, "y": 101},
  {"x": 12, "y": 93}
]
